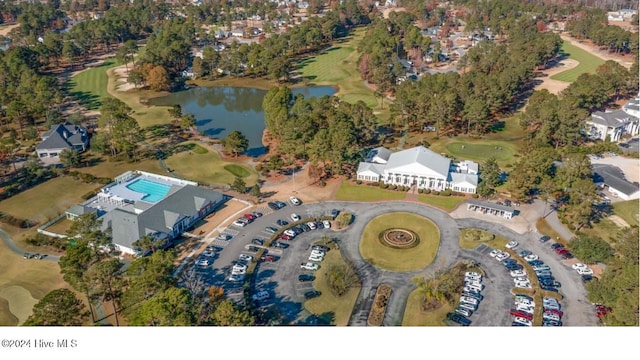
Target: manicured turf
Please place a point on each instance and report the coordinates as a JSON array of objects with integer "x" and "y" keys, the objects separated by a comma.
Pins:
[
  {"x": 588, "y": 63},
  {"x": 444, "y": 202},
  {"x": 328, "y": 305},
  {"x": 199, "y": 149},
  {"x": 352, "y": 192},
  {"x": 47, "y": 200},
  {"x": 383, "y": 256},
  {"x": 237, "y": 170},
  {"x": 209, "y": 168},
  {"x": 90, "y": 85},
  {"x": 414, "y": 316},
  {"x": 498, "y": 242},
  {"x": 339, "y": 66},
  {"x": 479, "y": 151},
  {"x": 628, "y": 211},
  {"x": 107, "y": 168}
]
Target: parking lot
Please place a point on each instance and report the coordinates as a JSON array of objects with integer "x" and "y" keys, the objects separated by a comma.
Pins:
[{"x": 280, "y": 278}]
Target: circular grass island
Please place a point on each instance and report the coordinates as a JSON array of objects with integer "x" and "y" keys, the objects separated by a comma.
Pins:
[{"x": 400, "y": 241}]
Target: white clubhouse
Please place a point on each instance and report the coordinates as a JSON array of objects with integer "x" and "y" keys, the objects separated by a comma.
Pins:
[{"x": 421, "y": 167}]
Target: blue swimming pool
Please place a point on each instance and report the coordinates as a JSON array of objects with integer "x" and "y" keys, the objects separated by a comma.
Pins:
[{"x": 154, "y": 191}]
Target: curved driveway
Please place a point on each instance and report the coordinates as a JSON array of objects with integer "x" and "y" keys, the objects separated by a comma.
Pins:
[
  {"x": 16, "y": 249},
  {"x": 280, "y": 277}
]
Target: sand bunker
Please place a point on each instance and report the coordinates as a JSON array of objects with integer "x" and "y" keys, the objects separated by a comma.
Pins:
[{"x": 20, "y": 301}]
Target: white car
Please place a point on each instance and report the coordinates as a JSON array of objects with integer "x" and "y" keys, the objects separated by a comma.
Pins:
[
  {"x": 209, "y": 253},
  {"x": 236, "y": 277},
  {"x": 202, "y": 262},
  {"x": 494, "y": 253},
  {"x": 471, "y": 289},
  {"x": 468, "y": 300},
  {"x": 521, "y": 279},
  {"x": 525, "y": 302},
  {"x": 503, "y": 255},
  {"x": 295, "y": 217},
  {"x": 317, "y": 258},
  {"x": 311, "y": 225},
  {"x": 468, "y": 306},
  {"x": 239, "y": 223},
  {"x": 290, "y": 232},
  {"x": 317, "y": 253},
  {"x": 245, "y": 257},
  {"x": 522, "y": 321},
  {"x": 511, "y": 244},
  {"x": 541, "y": 268},
  {"x": 551, "y": 316},
  {"x": 327, "y": 224},
  {"x": 309, "y": 266},
  {"x": 517, "y": 273},
  {"x": 473, "y": 285},
  {"x": 295, "y": 201},
  {"x": 586, "y": 271},
  {"x": 525, "y": 308},
  {"x": 577, "y": 266},
  {"x": 531, "y": 257},
  {"x": 523, "y": 285},
  {"x": 470, "y": 274},
  {"x": 464, "y": 312}
]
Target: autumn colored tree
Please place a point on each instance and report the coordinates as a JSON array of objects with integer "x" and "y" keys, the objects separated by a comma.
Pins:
[{"x": 158, "y": 79}]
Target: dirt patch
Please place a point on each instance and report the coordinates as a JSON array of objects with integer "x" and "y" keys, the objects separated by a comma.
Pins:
[
  {"x": 556, "y": 86},
  {"x": 386, "y": 12},
  {"x": 6, "y": 30},
  {"x": 618, "y": 221}
]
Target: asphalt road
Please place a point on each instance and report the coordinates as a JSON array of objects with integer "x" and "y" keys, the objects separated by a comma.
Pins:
[{"x": 280, "y": 278}]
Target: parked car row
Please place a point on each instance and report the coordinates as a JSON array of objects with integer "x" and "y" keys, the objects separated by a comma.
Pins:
[
  {"x": 551, "y": 313},
  {"x": 470, "y": 298},
  {"x": 499, "y": 255},
  {"x": 294, "y": 231},
  {"x": 522, "y": 311},
  {"x": 561, "y": 251}
]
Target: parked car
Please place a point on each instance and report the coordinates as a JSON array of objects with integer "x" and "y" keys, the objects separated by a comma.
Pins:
[
  {"x": 27, "y": 256},
  {"x": 256, "y": 214},
  {"x": 306, "y": 277},
  {"x": 523, "y": 321},
  {"x": 279, "y": 244},
  {"x": 202, "y": 262},
  {"x": 511, "y": 244},
  {"x": 312, "y": 294},
  {"x": 586, "y": 271},
  {"x": 473, "y": 295},
  {"x": 541, "y": 267},
  {"x": 463, "y": 311},
  {"x": 524, "y": 253},
  {"x": 223, "y": 236},
  {"x": 281, "y": 222},
  {"x": 320, "y": 247},
  {"x": 521, "y": 314},
  {"x": 586, "y": 278},
  {"x": 245, "y": 257},
  {"x": 273, "y": 205},
  {"x": 250, "y": 217},
  {"x": 316, "y": 258},
  {"x": 510, "y": 262},
  {"x": 334, "y": 213},
  {"x": 271, "y": 229},
  {"x": 556, "y": 246},
  {"x": 548, "y": 288},
  {"x": 285, "y": 237},
  {"x": 544, "y": 239},
  {"x": 239, "y": 223},
  {"x": 517, "y": 273},
  {"x": 311, "y": 225},
  {"x": 459, "y": 319},
  {"x": 309, "y": 266},
  {"x": 280, "y": 204},
  {"x": 290, "y": 233},
  {"x": 295, "y": 217},
  {"x": 304, "y": 227},
  {"x": 236, "y": 277},
  {"x": 262, "y": 295},
  {"x": 531, "y": 257},
  {"x": 469, "y": 306},
  {"x": 577, "y": 266},
  {"x": 257, "y": 241},
  {"x": 514, "y": 267},
  {"x": 503, "y": 255},
  {"x": 494, "y": 253},
  {"x": 327, "y": 224},
  {"x": 269, "y": 258},
  {"x": 567, "y": 256},
  {"x": 295, "y": 201}
]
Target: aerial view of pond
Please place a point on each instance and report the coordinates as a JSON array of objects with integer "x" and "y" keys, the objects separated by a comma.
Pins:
[{"x": 221, "y": 110}]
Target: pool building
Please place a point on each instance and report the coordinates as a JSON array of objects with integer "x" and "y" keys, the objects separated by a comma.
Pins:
[{"x": 141, "y": 204}]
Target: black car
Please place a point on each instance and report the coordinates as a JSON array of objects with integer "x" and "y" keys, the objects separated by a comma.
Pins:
[
  {"x": 306, "y": 277},
  {"x": 509, "y": 261},
  {"x": 297, "y": 230},
  {"x": 334, "y": 213},
  {"x": 280, "y": 204},
  {"x": 279, "y": 244},
  {"x": 556, "y": 245},
  {"x": 257, "y": 241},
  {"x": 281, "y": 222},
  {"x": 514, "y": 267},
  {"x": 459, "y": 319},
  {"x": 567, "y": 255},
  {"x": 311, "y": 294},
  {"x": 536, "y": 263},
  {"x": 305, "y": 227},
  {"x": 273, "y": 205},
  {"x": 586, "y": 278},
  {"x": 320, "y": 247},
  {"x": 548, "y": 288},
  {"x": 254, "y": 249},
  {"x": 544, "y": 239},
  {"x": 319, "y": 225}
]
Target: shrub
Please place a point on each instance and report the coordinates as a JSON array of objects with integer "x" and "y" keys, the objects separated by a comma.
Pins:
[
  {"x": 44, "y": 240},
  {"x": 475, "y": 196},
  {"x": 359, "y": 182},
  {"x": 344, "y": 219},
  {"x": 258, "y": 167},
  {"x": 435, "y": 192},
  {"x": 446, "y": 192},
  {"x": 427, "y": 191}
]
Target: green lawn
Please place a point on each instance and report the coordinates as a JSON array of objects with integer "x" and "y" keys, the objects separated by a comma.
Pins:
[
  {"x": 588, "y": 63},
  {"x": 478, "y": 150},
  {"x": 444, "y": 202},
  {"x": 353, "y": 192},
  {"x": 628, "y": 211},
  {"x": 381, "y": 255},
  {"x": 414, "y": 316},
  {"x": 90, "y": 86},
  {"x": 209, "y": 168},
  {"x": 339, "y": 66},
  {"x": 336, "y": 309},
  {"x": 497, "y": 242},
  {"x": 47, "y": 200}
]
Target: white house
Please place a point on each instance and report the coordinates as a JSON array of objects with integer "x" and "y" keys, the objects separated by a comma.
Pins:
[
  {"x": 421, "y": 167},
  {"x": 614, "y": 124}
]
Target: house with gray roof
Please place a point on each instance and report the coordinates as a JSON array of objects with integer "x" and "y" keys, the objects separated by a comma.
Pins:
[
  {"x": 422, "y": 168},
  {"x": 614, "y": 124},
  {"x": 61, "y": 137},
  {"x": 612, "y": 178}
]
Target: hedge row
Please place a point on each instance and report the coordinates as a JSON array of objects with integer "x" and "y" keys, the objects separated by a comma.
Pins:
[
  {"x": 14, "y": 221},
  {"x": 88, "y": 178}
]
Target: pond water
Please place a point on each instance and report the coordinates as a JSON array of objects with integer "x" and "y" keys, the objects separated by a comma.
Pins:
[{"x": 221, "y": 110}]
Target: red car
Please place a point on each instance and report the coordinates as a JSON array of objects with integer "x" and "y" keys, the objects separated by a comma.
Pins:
[
  {"x": 285, "y": 237},
  {"x": 554, "y": 311},
  {"x": 561, "y": 251},
  {"x": 522, "y": 314},
  {"x": 249, "y": 216},
  {"x": 269, "y": 258}
]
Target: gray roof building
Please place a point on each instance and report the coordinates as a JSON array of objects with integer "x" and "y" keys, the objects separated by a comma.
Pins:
[
  {"x": 613, "y": 177},
  {"x": 59, "y": 138}
]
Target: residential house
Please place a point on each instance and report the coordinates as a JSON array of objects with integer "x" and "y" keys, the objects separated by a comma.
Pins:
[
  {"x": 419, "y": 167},
  {"x": 61, "y": 137},
  {"x": 614, "y": 124}
]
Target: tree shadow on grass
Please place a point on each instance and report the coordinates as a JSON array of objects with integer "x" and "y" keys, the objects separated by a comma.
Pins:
[{"x": 87, "y": 99}]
